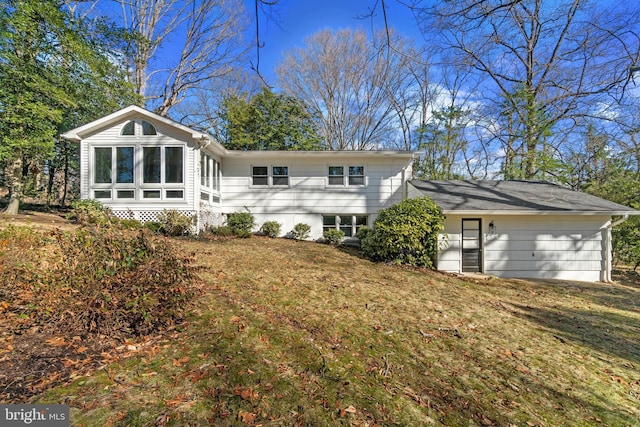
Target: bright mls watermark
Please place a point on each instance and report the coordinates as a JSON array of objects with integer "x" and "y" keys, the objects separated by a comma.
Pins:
[{"x": 34, "y": 415}]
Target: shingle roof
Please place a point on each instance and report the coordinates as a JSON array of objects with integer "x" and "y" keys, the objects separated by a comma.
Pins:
[{"x": 515, "y": 197}]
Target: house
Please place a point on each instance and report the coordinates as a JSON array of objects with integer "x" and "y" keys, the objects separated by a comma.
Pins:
[
  {"x": 139, "y": 164},
  {"x": 523, "y": 229}
]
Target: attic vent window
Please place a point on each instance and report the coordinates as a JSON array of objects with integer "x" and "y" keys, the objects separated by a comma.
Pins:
[
  {"x": 148, "y": 128},
  {"x": 129, "y": 129}
]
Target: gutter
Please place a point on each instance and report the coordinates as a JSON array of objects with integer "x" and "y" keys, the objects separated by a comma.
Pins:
[{"x": 609, "y": 248}]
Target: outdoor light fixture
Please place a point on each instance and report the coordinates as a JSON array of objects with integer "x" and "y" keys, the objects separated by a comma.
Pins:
[{"x": 492, "y": 228}]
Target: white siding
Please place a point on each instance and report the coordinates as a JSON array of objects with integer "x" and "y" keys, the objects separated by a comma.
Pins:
[
  {"x": 308, "y": 195},
  {"x": 537, "y": 246}
]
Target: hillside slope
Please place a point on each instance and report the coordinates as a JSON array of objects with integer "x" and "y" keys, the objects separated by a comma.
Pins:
[{"x": 297, "y": 333}]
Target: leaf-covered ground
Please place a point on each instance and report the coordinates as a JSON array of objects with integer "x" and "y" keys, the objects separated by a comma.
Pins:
[{"x": 297, "y": 333}]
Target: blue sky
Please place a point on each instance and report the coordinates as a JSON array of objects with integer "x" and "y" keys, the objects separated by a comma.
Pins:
[{"x": 298, "y": 19}]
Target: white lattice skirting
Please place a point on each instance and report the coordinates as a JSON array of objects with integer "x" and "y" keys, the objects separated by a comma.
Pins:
[{"x": 203, "y": 219}]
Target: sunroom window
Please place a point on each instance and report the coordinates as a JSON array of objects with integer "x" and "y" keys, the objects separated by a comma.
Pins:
[
  {"x": 173, "y": 171},
  {"x": 104, "y": 165},
  {"x": 151, "y": 165},
  {"x": 124, "y": 162}
]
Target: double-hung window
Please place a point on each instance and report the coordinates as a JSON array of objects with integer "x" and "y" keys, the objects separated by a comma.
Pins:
[
  {"x": 336, "y": 175},
  {"x": 260, "y": 176},
  {"x": 264, "y": 176},
  {"x": 280, "y": 175},
  {"x": 354, "y": 177}
]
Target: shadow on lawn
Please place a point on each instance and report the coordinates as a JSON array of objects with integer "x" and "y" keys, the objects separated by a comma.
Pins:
[{"x": 606, "y": 332}]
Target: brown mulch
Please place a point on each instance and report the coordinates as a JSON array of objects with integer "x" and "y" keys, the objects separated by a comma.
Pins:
[{"x": 35, "y": 360}]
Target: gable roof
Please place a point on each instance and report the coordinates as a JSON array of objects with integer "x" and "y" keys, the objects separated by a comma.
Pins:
[
  {"x": 129, "y": 112},
  {"x": 515, "y": 198}
]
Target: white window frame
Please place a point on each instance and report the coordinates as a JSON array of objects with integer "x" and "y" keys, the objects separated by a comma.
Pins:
[
  {"x": 270, "y": 176},
  {"x": 346, "y": 176},
  {"x": 113, "y": 187},
  {"x": 210, "y": 176},
  {"x": 338, "y": 223}
]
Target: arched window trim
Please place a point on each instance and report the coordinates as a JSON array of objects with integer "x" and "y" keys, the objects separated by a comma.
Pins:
[
  {"x": 130, "y": 126},
  {"x": 148, "y": 129}
]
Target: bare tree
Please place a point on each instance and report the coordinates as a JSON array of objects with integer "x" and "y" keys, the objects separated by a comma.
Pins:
[
  {"x": 343, "y": 78},
  {"x": 205, "y": 34},
  {"x": 546, "y": 65}
]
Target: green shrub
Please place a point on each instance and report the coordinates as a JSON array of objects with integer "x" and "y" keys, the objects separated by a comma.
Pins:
[
  {"x": 222, "y": 231},
  {"x": 153, "y": 226},
  {"x": 131, "y": 224},
  {"x": 271, "y": 229},
  {"x": 406, "y": 233},
  {"x": 333, "y": 236},
  {"x": 301, "y": 231},
  {"x": 363, "y": 233},
  {"x": 175, "y": 223},
  {"x": 241, "y": 223},
  {"x": 90, "y": 212}
]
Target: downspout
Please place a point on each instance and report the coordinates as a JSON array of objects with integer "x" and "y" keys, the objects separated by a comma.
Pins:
[{"x": 609, "y": 248}]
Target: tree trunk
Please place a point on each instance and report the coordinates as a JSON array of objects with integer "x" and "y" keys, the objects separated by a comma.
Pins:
[
  {"x": 66, "y": 172},
  {"x": 15, "y": 186}
]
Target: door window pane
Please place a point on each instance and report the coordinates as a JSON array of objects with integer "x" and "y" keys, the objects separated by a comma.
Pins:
[
  {"x": 124, "y": 165},
  {"x": 173, "y": 164},
  {"x": 151, "y": 165},
  {"x": 102, "y": 165}
]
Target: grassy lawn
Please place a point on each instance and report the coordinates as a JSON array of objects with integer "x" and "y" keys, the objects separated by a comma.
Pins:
[{"x": 297, "y": 333}]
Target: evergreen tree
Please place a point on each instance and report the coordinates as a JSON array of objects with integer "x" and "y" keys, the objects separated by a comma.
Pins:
[{"x": 269, "y": 121}]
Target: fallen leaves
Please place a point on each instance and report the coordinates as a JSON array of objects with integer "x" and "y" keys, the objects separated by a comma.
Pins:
[{"x": 181, "y": 361}]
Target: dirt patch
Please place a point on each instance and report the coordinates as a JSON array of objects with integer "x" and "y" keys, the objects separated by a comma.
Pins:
[
  {"x": 39, "y": 220},
  {"x": 36, "y": 360}
]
